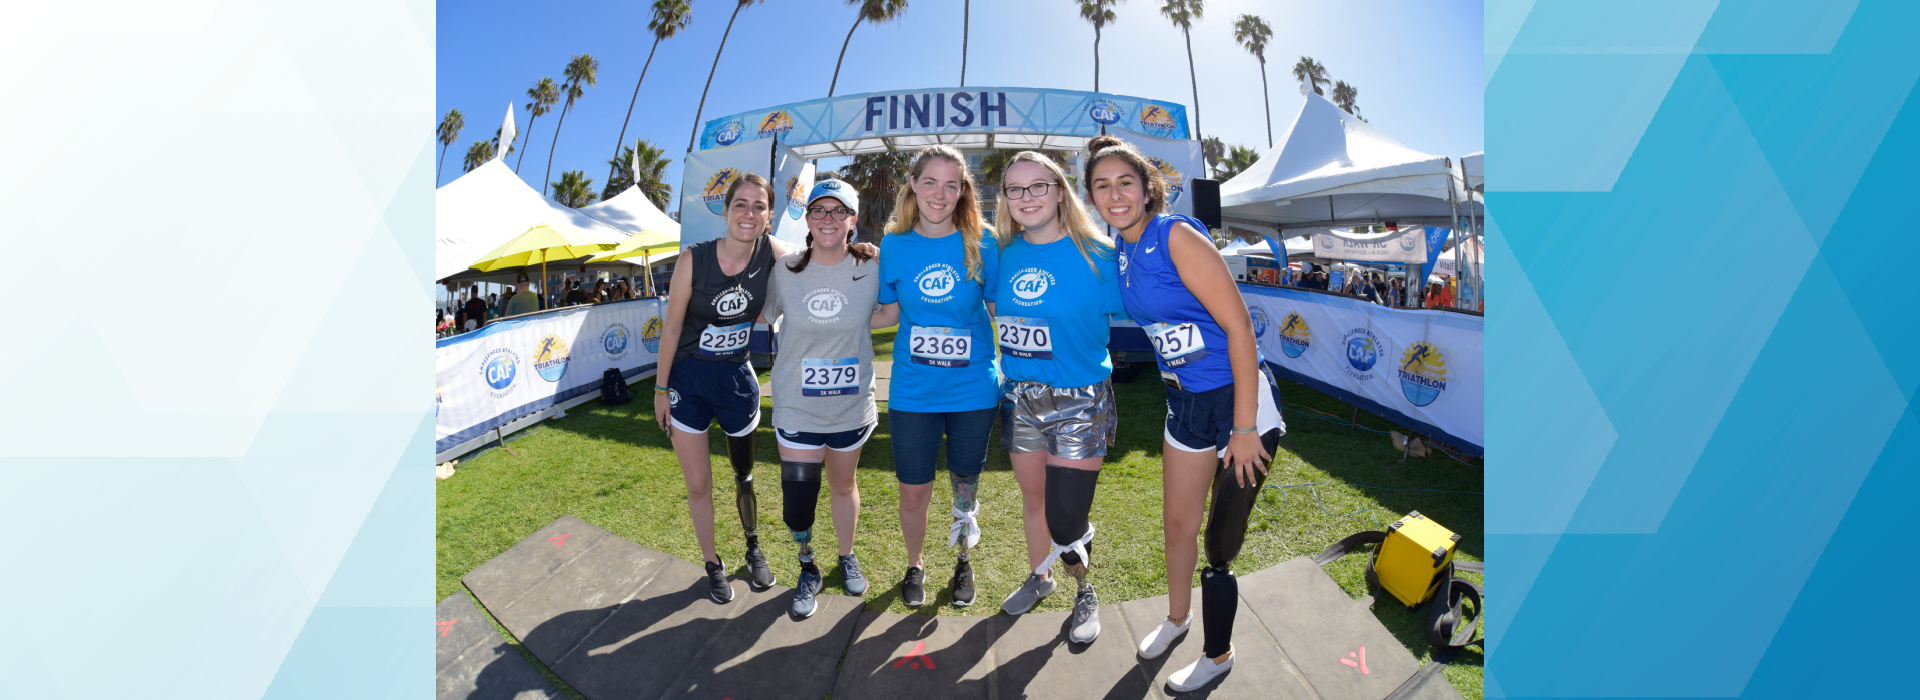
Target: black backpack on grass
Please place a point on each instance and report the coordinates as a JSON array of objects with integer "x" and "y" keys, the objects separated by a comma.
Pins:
[{"x": 613, "y": 388}]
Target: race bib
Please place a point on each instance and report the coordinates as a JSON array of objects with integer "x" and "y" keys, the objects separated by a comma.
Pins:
[
  {"x": 824, "y": 377},
  {"x": 940, "y": 346},
  {"x": 1178, "y": 344},
  {"x": 1025, "y": 337},
  {"x": 725, "y": 341}
]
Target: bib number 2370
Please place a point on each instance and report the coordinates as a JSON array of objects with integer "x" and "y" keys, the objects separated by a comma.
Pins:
[
  {"x": 941, "y": 347},
  {"x": 1178, "y": 343},
  {"x": 724, "y": 341},
  {"x": 1025, "y": 337}
]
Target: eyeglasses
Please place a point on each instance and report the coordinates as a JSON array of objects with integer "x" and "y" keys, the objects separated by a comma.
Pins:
[
  {"x": 821, "y": 213},
  {"x": 1038, "y": 189}
]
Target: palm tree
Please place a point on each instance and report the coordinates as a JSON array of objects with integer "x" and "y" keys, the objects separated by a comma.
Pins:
[
  {"x": 582, "y": 72},
  {"x": 1309, "y": 70},
  {"x": 1100, "y": 13},
  {"x": 1344, "y": 95},
  {"x": 1253, "y": 33},
  {"x": 1182, "y": 13},
  {"x": 669, "y": 17},
  {"x": 448, "y": 132},
  {"x": 966, "y": 12},
  {"x": 653, "y": 173},
  {"x": 1212, "y": 149},
  {"x": 874, "y": 12},
  {"x": 477, "y": 155},
  {"x": 1236, "y": 162},
  {"x": 876, "y": 176},
  {"x": 544, "y": 96},
  {"x": 574, "y": 189},
  {"x": 738, "y": 6}
]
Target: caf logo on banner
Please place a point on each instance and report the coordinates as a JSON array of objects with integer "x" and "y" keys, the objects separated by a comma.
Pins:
[
  {"x": 1155, "y": 120},
  {"x": 796, "y": 200},
  {"x": 776, "y": 122},
  {"x": 1363, "y": 351},
  {"x": 1326, "y": 242},
  {"x": 1295, "y": 336},
  {"x": 1176, "y": 183},
  {"x": 650, "y": 334},
  {"x": 714, "y": 195},
  {"x": 614, "y": 340},
  {"x": 937, "y": 281},
  {"x": 1104, "y": 111},
  {"x": 1423, "y": 373},
  {"x": 729, "y": 132},
  {"x": 1260, "y": 321},
  {"x": 1030, "y": 284},
  {"x": 551, "y": 359},
  {"x": 1407, "y": 242},
  {"x": 498, "y": 368}
]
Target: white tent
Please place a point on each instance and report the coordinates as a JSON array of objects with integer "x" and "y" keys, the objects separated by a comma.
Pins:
[
  {"x": 1331, "y": 169},
  {"x": 1475, "y": 165},
  {"x": 488, "y": 207},
  {"x": 632, "y": 212},
  {"x": 1296, "y": 246}
]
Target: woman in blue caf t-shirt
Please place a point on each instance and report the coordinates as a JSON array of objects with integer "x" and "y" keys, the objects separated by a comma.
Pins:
[
  {"x": 1223, "y": 417},
  {"x": 937, "y": 272}
]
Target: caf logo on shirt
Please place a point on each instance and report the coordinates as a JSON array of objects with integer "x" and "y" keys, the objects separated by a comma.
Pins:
[
  {"x": 1031, "y": 283},
  {"x": 732, "y": 302},
  {"x": 825, "y": 304},
  {"x": 937, "y": 281}
]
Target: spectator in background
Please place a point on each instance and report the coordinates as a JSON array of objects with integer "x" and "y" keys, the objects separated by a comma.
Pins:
[
  {"x": 1381, "y": 295},
  {"x": 476, "y": 309},
  {"x": 522, "y": 301},
  {"x": 599, "y": 293},
  {"x": 575, "y": 297},
  {"x": 439, "y": 322},
  {"x": 1432, "y": 298}
]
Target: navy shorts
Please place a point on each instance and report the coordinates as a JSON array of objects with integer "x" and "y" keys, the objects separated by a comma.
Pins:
[
  {"x": 843, "y": 441},
  {"x": 1202, "y": 421},
  {"x": 702, "y": 391}
]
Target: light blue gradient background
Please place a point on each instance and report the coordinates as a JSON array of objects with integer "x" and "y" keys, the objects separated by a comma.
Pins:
[
  {"x": 216, "y": 443},
  {"x": 1701, "y": 443}
]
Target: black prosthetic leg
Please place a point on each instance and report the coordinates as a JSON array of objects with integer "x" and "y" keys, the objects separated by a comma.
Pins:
[{"x": 1226, "y": 531}]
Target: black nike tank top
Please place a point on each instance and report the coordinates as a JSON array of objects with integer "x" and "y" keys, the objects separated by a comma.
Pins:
[{"x": 721, "y": 310}]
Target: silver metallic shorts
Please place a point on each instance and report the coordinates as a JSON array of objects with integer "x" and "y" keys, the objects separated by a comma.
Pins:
[{"x": 1074, "y": 423}]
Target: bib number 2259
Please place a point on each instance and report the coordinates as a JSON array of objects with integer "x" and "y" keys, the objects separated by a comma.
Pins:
[
  {"x": 724, "y": 341},
  {"x": 941, "y": 347}
]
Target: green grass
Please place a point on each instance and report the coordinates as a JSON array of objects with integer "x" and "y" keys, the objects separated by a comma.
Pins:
[{"x": 611, "y": 466}]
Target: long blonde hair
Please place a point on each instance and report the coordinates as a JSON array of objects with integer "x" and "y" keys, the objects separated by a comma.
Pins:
[
  {"x": 1072, "y": 217},
  {"x": 966, "y": 211}
]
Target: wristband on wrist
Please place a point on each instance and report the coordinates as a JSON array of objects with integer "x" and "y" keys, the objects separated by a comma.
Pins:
[
  {"x": 1237, "y": 430},
  {"x": 659, "y": 390}
]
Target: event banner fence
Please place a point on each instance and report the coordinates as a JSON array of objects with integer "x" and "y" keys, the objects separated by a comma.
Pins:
[
  {"x": 1178, "y": 160},
  {"x": 518, "y": 367},
  {"x": 1422, "y": 369},
  {"x": 708, "y": 174},
  {"x": 972, "y": 110},
  {"x": 1415, "y": 244}
]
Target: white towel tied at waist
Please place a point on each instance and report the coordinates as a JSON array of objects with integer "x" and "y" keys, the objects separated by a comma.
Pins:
[
  {"x": 965, "y": 522},
  {"x": 1078, "y": 546}
]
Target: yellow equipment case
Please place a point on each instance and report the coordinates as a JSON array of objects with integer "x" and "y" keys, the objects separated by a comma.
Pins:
[{"x": 1412, "y": 562}]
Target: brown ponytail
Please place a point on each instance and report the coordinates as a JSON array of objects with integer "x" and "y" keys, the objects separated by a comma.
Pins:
[{"x": 1110, "y": 146}]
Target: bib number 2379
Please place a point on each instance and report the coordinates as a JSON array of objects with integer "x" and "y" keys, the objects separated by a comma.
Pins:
[
  {"x": 941, "y": 347},
  {"x": 1178, "y": 343},
  {"x": 724, "y": 341},
  {"x": 829, "y": 377}
]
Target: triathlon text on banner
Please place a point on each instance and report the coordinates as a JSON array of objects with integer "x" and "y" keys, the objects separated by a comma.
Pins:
[
  {"x": 708, "y": 174},
  {"x": 518, "y": 367},
  {"x": 1422, "y": 369},
  {"x": 972, "y": 110}
]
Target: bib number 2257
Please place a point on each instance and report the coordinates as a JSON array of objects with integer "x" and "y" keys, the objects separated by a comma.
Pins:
[
  {"x": 1179, "y": 344},
  {"x": 941, "y": 347}
]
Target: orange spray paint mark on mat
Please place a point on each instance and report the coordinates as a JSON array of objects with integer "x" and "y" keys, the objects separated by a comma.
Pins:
[
  {"x": 1362, "y": 656},
  {"x": 560, "y": 540},
  {"x": 917, "y": 657},
  {"x": 445, "y": 627}
]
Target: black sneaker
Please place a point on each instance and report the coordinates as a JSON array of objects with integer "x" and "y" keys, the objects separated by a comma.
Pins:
[
  {"x": 718, "y": 587},
  {"x": 963, "y": 584},
  {"x": 762, "y": 574},
  {"x": 913, "y": 589}
]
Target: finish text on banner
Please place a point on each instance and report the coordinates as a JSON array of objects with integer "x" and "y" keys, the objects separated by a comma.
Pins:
[{"x": 947, "y": 111}]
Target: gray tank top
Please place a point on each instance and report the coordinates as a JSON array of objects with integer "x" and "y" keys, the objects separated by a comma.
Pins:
[{"x": 721, "y": 309}]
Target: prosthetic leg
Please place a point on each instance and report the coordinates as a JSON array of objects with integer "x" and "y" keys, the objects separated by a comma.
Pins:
[
  {"x": 965, "y": 533},
  {"x": 1226, "y": 531},
  {"x": 740, "y": 454},
  {"x": 799, "y": 499},
  {"x": 1069, "y": 501}
]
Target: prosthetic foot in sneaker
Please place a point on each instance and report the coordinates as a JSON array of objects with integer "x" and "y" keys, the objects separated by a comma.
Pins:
[
  {"x": 1086, "y": 617},
  {"x": 762, "y": 573},
  {"x": 806, "y": 593},
  {"x": 1197, "y": 674},
  {"x": 963, "y": 584}
]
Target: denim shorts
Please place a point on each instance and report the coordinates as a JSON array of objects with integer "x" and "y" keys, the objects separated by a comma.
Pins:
[
  {"x": 916, "y": 442},
  {"x": 1202, "y": 421}
]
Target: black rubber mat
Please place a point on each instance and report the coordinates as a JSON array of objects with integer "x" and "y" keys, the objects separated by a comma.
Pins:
[
  {"x": 1334, "y": 640},
  {"x": 1259, "y": 669},
  {"x": 473, "y": 662}
]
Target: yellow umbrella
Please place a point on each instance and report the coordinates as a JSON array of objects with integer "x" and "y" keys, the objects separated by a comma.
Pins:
[
  {"x": 641, "y": 244},
  {"x": 540, "y": 244}
]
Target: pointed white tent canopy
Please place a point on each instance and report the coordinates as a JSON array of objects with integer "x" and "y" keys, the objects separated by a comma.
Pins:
[
  {"x": 1331, "y": 169},
  {"x": 1475, "y": 165},
  {"x": 488, "y": 207},
  {"x": 632, "y": 212}
]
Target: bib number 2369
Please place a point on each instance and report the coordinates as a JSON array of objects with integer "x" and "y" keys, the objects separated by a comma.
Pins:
[
  {"x": 1178, "y": 343},
  {"x": 724, "y": 341},
  {"x": 941, "y": 347}
]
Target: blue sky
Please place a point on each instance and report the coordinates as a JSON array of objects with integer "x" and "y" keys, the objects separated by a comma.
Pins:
[{"x": 1418, "y": 65}]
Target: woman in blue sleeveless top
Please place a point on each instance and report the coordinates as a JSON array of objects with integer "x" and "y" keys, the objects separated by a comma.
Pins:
[{"x": 1223, "y": 418}]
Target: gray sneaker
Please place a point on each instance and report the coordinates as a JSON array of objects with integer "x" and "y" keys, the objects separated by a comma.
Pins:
[
  {"x": 1029, "y": 594},
  {"x": 855, "y": 581},
  {"x": 1086, "y": 617}
]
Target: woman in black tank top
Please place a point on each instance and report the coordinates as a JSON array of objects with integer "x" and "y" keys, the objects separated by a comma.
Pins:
[{"x": 710, "y": 312}]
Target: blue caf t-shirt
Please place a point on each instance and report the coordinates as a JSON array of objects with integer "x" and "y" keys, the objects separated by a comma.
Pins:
[
  {"x": 1053, "y": 309},
  {"x": 943, "y": 352}
]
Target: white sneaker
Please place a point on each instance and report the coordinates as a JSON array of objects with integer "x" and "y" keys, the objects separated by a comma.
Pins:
[
  {"x": 1162, "y": 637},
  {"x": 1197, "y": 674}
]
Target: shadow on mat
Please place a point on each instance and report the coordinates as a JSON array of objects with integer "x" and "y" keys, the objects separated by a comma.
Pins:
[{"x": 509, "y": 677}]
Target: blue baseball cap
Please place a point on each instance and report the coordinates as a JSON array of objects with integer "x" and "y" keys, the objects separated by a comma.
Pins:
[{"x": 837, "y": 190}]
